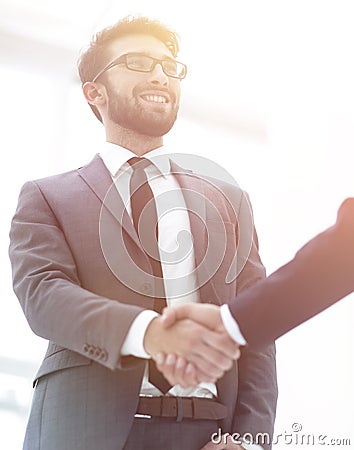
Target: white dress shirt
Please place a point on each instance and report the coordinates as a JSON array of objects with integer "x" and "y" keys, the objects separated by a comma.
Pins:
[{"x": 170, "y": 225}]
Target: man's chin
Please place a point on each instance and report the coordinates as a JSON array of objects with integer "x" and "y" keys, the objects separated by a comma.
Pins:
[
  {"x": 152, "y": 124},
  {"x": 155, "y": 128}
]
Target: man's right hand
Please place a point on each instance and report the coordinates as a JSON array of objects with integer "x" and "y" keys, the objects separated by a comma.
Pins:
[{"x": 207, "y": 351}]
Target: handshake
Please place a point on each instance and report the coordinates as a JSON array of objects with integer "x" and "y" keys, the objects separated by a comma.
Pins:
[{"x": 190, "y": 344}]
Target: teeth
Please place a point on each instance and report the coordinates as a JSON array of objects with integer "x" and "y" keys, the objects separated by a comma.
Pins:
[{"x": 155, "y": 98}]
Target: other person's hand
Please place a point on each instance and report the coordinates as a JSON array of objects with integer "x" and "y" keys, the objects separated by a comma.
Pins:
[{"x": 203, "y": 313}]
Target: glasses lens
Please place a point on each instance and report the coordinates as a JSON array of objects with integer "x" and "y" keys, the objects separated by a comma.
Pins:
[
  {"x": 172, "y": 68},
  {"x": 141, "y": 63},
  {"x": 144, "y": 63}
]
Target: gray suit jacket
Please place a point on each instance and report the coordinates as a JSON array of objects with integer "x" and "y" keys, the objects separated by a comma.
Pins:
[{"x": 68, "y": 252}]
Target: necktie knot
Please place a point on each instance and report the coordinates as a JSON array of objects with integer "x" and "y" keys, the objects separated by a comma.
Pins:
[{"x": 138, "y": 163}]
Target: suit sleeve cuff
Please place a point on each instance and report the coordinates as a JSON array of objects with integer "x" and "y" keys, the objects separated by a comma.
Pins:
[
  {"x": 133, "y": 344},
  {"x": 231, "y": 325}
]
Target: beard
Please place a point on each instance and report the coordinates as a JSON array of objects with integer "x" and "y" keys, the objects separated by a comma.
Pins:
[{"x": 129, "y": 113}]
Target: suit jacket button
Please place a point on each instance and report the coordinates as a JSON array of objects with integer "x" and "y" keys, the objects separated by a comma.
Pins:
[
  {"x": 86, "y": 348},
  {"x": 103, "y": 355}
]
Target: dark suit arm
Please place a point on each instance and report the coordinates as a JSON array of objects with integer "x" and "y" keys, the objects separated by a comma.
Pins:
[
  {"x": 48, "y": 287},
  {"x": 257, "y": 380},
  {"x": 321, "y": 273},
  {"x": 258, "y": 392}
]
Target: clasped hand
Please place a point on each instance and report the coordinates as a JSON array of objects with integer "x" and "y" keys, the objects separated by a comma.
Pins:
[{"x": 190, "y": 345}]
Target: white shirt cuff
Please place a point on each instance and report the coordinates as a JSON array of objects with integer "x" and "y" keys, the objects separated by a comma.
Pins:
[
  {"x": 231, "y": 325},
  {"x": 134, "y": 341}
]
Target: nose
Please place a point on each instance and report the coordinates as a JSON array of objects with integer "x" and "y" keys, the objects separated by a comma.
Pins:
[{"x": 158, "y": 76}]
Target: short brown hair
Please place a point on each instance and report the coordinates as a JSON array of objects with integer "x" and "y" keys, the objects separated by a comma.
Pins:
[{"x": 89, "y": 62}]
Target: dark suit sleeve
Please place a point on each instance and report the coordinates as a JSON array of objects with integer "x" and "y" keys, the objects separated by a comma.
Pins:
[
  {"x": 321, "y": 273},
  {"x": 257, "y": 381},
  {"x": 47, "y": 284}
]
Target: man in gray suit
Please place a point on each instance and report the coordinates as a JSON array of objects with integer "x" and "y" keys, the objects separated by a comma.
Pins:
[{"x": 89, "y": 283}]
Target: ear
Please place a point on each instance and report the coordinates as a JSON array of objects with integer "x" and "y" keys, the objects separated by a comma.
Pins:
[{"x": 94, "y": 93}]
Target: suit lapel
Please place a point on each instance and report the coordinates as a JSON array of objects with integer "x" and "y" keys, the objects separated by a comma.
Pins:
[{"x": 98, "y": 179}]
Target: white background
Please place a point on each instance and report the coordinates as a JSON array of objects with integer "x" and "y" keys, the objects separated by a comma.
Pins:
[{"x": 269, "y": 95}]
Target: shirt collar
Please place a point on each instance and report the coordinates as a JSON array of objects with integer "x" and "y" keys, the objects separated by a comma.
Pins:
[{"x": 114, "y": 157}]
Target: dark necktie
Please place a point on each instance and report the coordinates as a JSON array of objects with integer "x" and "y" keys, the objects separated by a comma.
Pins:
[{"x": 144, "y": 208}]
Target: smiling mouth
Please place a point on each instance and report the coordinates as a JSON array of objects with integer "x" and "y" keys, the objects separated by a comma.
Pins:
[{"x": 155, "y": 98}]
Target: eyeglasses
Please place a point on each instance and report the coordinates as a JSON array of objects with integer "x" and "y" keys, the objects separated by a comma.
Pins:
[{"x": 139, "y": 62}]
